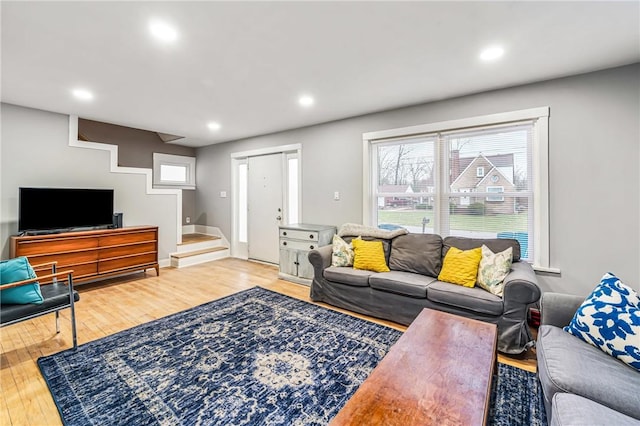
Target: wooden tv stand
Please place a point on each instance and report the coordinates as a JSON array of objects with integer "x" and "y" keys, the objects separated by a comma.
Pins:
[{"x": 93, "y": 254}]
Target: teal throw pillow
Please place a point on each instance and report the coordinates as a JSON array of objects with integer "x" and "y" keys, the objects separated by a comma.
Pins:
[
  {"x": 609, "y": 319},
  {"x": 14, "y": 270}
]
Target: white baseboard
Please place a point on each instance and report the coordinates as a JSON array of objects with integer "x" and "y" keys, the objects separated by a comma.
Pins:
[{"x": 188, "y": 229}]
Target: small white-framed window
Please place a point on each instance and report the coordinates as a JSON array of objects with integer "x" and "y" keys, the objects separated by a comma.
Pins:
[
  {"x": 480, "y": 172},
  {"x": 496, "y": 189},
  {"x": 174, "y": 171}
]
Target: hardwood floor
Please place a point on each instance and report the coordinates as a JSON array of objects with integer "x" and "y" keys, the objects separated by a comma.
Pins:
[{"x": 121, "y": 303}]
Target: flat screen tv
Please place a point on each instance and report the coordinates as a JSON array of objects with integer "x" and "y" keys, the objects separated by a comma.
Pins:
[{"x": 54, "y": 209}]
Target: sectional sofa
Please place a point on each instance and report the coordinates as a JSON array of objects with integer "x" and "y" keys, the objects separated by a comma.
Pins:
[{"x": 415, "y": 261}]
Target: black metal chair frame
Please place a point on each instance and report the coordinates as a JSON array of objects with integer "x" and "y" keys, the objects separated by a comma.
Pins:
[{"x": 53, "y": 276}]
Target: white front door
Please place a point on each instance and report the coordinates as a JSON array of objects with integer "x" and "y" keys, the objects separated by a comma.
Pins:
[
  {"x": 465, "y": 201},
  {"x": 264, "y": 187}
]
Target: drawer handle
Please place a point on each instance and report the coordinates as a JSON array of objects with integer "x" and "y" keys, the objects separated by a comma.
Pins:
[
  {"x": 284, "y": 233},
  {"x": 311, "y": 247},
  {"x": 311, "y": 236},
  {"x": 284, "y": 243}
]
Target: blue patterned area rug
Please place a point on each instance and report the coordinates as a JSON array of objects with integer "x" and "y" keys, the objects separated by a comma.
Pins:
[
  {"x": 516, "y": 398},
  {"x": 256, "y": 357}
]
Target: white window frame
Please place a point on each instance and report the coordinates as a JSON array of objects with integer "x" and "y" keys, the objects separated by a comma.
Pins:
[
  {"x": 293, "y": 193},
  {"x": 497, "y": 190},
  {"x": 480, "y": 171},
  {"x": 241, "y": 192},
  {"x": 189, "y": 163},
  {"x": 540, "y": 162}
]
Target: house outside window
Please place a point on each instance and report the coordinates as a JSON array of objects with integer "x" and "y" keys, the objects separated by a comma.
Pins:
[
  {"x": 174, "y": 171},
  {"x": 443, "y": 178}
]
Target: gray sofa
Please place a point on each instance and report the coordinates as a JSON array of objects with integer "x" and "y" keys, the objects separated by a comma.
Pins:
[
  {"x": 581, "y": 384},
  {"x": 415, "y": 261}
]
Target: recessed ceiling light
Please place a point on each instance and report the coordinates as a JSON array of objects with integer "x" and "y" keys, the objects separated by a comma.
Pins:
[
  {"x": 491, "y": 53},
  {"x": 82, "y": 94},
  {"x": 214, "y": 126},
  {"x": 306, "y": 100},
  {"x": 163, "y": 31}
]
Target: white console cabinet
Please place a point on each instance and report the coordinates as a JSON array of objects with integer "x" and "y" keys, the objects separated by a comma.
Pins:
[{"x": 296, "y": 241}]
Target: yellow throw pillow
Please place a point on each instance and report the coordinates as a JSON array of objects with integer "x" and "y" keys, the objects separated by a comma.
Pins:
[
  {"x": 461, "y": 267},
  {"x": 369, "y": 255}
]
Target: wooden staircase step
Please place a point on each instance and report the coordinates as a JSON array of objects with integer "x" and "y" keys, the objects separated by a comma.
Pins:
[
  {"x": 197, "y": 238},
  {"x": 197, "y": 252}
]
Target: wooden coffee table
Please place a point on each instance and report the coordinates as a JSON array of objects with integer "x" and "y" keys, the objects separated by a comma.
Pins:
[{"x": 438, "y": 373}]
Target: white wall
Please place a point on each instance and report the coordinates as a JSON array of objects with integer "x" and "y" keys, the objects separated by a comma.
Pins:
[
  {"x": 594, "y": 173},
  {"x": 35, "y": 152}
]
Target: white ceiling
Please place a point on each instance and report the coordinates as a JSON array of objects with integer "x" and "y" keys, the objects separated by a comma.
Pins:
[{"x": 244, "y": 64}]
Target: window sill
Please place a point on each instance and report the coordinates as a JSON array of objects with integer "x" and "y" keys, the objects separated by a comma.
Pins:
[
  {"x": 546, "y": 270},
  {"x": 174, "y": 186}
]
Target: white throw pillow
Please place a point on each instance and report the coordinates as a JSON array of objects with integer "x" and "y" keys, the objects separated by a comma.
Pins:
[
  {"x": 342, "y": 254},
  {"x": 493, "y": 269}
]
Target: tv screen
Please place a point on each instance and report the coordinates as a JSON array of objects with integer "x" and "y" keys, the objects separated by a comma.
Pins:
[{"x": 42, "y": 209}]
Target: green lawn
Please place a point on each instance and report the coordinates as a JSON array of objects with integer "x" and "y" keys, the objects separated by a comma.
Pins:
[{"x": 462, "y": 222}]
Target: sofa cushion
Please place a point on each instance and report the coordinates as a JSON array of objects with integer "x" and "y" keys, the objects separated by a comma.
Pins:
[
  {"x": 573, "y": 410},
  {"x": 348, "y": 275},
  {"x": 418, "y": 253},
  {"x": 405, "y": 283},
  {"x": 54, "y": 295},
  {"x": 568, "y": 364},
  {"x": 495, "y": 244},
  {"x": 470, "y": 298},
  {"x": 609, "y": 319}
]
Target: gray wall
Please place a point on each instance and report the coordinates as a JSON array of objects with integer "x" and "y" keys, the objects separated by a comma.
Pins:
[
  {"x": 35, "y": 152},
  {"x": 188, "y": 206},
  {"x": 136, "y": 148},
  {"x": 594, "y": 174}
]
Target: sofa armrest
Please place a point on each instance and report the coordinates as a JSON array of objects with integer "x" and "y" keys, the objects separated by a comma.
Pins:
[
  {"x": 521, "y": 284},
  {"x": 558, "y": 309},
  {"x": 320, "y": 259}
]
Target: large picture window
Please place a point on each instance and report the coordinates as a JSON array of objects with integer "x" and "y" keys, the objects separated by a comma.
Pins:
[{"x": 483, "y": 177}]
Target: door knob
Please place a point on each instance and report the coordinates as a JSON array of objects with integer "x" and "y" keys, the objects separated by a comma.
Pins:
[{"x": 279, "y": 218}]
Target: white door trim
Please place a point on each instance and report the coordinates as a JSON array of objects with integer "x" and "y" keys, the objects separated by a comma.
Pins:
[{"x": 268, "y": 150}]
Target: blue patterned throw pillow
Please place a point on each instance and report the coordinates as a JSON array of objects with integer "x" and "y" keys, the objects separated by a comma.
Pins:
[{"x": 609, "y": 319}]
